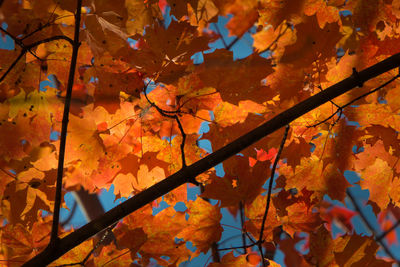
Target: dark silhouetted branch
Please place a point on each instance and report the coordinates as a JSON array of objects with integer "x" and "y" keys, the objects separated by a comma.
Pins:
[
  {"x": 63, "y": 138},
  {"x": 186, "y": 174}
]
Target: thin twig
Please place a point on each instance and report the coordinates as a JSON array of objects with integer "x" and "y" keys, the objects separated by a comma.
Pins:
[
  {"x": 271, "y": 181},
  {"x": 288, "y": 25},
  {"x": 167, "y": 114},
  {"x": 28, "y": 47},
  {"x": 183, "y": 141},
  {"x": 340, "y": 109},
  {"x": 50, "y": 39},
  {"x": 382, "y": 235},
  {"x": 242, "y": 219},
  {"x": 20, "y": 43},
  {"x": 369, "y": 225},
  {"x": 63, "y": 138},
  {"x": 222, "y": 37},
  {"x": 240, "y": 247}
]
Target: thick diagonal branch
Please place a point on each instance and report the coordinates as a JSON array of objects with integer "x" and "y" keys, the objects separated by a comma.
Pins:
[{"x": 184, "y": 175}]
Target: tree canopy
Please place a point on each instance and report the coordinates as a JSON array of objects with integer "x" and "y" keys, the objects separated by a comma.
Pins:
[{"x": 96, "y": 93}]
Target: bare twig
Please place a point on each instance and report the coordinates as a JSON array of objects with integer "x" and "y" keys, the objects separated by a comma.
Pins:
[
  {"x": 240, "y": 247},
  {"x": 385, "y": 233},
  {"x": 370, "y": 226},
  {"x": 340, "y": 109},
  {"x": 28, "y": 47},
  {"x": 242, "y": 219},
  {"x": 220, "y": 34},
  {"x": 63, "y": 138},
  {"x": 167, "y": 113},
  {"x": 271, "y": 181}
]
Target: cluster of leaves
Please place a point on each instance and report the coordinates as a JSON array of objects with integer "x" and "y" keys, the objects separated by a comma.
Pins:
[{"x": 137, "y": 108}]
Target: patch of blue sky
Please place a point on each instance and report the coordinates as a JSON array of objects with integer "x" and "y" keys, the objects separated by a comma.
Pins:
[
  {"x": 192, "y": 192},
  {"x": 197, "y": 58},
  {"x": 161, "y": 206},
  {"x": 180, "y": 206},
  {"x": 198, "y": 261},
  {"x": 205, "y": 144},
  {"x": 357, "y": 149},
  {"x": 151, "y": 85},
  {"x": 107, "y": 198},
  {"x": 345, "y": 13},
  {"x": 382, "y": 100},
  {"x": 49, "y": 82},
  {"x": 352, "y": 176},
  {"x": 353, "y": 123},
  {"x": 361, "y": 196},
  {"x": 266, "y": 185},
  {"x": 279, "y": 257},
  {"x": 54, "y": 135},
  {"x": 266, "y": 54},
  {"x": 5, "y": 41},
  {"x": 168, "y": 138},
  {"x": 190, "y": 246},
  {"x": 232, "y": 235},
  {"x": 245, "y": 42},
  {"x": 78, "y": 218},
  {"x": 131, "y": 42},
  {"x": 204, "y": 127},
  {"x": 300, "y": 245},
  {"x": 167, "y": 16}
]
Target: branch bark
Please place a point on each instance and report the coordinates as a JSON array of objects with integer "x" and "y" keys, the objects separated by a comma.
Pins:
[
  {"x": 186, "y": 174},
  {"x": 63, "y": 139}
]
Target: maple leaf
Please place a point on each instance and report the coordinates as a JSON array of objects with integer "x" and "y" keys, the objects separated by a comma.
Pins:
[
  {"x": 160, "y": 240},
  {"x": 111, "y": 256},
  {"x": 144, "y": 79},
  {"x": 246, "y": 76},
  {"x": 245, "y": 15},
  {"x": 310, "y": 174},
  {"x": 325, "y": 13},
  {"x": 203, "y": 225},
  {"x": 21, "y": 243},
  {"x": 349, "y": 249},
  {"x": 314, "y": 43},
  {"x": 294, "y": 258},
  {"x": 239, "y": 183},
  {"x": 78, "y": 254}
]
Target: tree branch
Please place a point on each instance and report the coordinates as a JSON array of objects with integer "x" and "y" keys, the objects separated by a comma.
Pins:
[
  {"x": 370, "y": 226},
  {"x": 184, "y": 175},
  {"x": 60, "y": 169},
  {"x": 271, "y": 181},
  {"x": 29, "y": 47}
]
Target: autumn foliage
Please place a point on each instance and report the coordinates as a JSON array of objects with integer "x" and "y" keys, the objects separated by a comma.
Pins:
[{"x": 131, "y": 84}]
